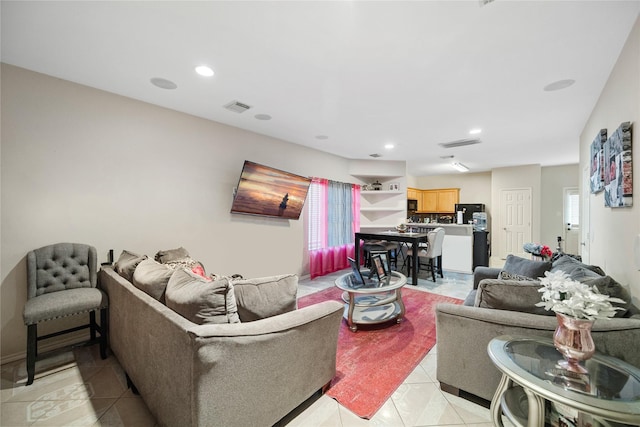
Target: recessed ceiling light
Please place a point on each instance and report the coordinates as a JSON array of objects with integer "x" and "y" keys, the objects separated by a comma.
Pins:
[
  {"x": 389, "y": 146},
  {"x": 262, "y": 117},
  {"x": 163, "y": 83},
  {"x": 475, "y": 131},
  {"x": 322, "y": 137},
  {"x": 560, "y": 84},
  {"x": 205, "y": 71}
]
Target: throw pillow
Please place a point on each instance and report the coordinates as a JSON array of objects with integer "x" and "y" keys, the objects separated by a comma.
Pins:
[
  {"x": 510, "y": 295},
  {"x": 127, "y": 263},
  {"x": 568, "y": 263},
  {"x": 171, "y": 255},
  {"x": 179, "y": 263},
  {"x": 580, "y": 274},
  {"x": 505, "y": 275},
  {"x": 608, "y": 286},
  {"x": 526, "y": 267},
  {"x": 266, "y": 296},
  {"x": 201, "y": 301},
  {"x": 152, "y": 277}
]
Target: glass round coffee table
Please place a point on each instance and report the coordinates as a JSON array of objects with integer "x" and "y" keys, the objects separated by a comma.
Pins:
[
  {"x": 610, "y": 390},
  {"x": 372, "y": 302}
]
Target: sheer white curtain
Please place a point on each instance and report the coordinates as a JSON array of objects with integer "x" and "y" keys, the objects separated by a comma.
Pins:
[{"x": 334, "y": 217}]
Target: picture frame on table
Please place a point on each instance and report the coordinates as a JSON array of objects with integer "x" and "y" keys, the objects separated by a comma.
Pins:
[{"x": 380, "y": 265}]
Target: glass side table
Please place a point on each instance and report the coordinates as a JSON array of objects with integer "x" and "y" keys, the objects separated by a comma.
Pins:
[
  {"x": 530, "y": 375},
  {"x": 377, "y": 302}
]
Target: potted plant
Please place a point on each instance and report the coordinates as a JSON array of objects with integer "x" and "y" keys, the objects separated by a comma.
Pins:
[{"x": 577, "y": 307}]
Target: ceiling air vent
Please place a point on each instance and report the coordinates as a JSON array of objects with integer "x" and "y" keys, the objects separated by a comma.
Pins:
[
  {"x": 460, "y": 143},
  {"x": 237, "y": 107}
]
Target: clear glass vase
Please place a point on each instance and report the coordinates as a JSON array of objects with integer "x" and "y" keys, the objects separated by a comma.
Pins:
[{"x": 573, "y": 340}]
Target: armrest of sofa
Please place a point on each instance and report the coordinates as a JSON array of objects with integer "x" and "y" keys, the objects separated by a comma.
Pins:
[
  {"x": 464, "y": 333},
  {"x": 480, "y": 273},
  {"x": 275, "y": 363}
]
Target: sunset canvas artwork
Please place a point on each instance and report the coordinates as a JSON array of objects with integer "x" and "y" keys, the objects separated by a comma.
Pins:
[{"x": 263, "y": 190}]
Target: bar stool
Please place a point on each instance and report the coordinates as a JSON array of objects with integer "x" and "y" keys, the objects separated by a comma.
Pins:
[{"x": 433, "y": 253}]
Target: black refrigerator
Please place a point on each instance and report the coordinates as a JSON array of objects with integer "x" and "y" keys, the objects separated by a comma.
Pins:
[{"x": 468, "y": 209}]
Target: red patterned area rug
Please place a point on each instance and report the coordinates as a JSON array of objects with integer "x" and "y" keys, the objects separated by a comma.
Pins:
[{"x": 374, "y": 361}]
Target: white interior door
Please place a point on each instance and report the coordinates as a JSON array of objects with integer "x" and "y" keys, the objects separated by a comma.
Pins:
[
  {"x": 571, "y": 225},
  {"x": 515, "y": 221}
]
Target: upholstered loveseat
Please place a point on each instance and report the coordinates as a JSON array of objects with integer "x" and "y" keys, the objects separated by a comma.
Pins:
[
  {"x": 233, "y": 369},
  {"x": 507, "y": 307}
]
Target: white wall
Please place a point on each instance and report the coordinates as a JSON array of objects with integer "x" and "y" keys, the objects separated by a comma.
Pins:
[
  {"x": 612, "y": 231},
  {"x": 82, "y": 165}
]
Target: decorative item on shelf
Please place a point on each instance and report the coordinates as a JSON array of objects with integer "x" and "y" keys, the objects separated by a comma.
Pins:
[
  {"x": 365, "y": 187},
  {"x": 537, "y": 251},
  {"x": 577, "y": 307},
  {"x": 376, "y": 186},
  {"x": 401, "y": 228}
]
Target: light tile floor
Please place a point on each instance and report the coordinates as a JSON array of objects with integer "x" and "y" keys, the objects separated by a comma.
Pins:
[{"x": 77, "y": 388}]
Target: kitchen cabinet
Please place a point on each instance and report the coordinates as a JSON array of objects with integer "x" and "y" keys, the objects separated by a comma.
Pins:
[
  {"x": 413, "y": 194},
  {"x": 447, "y": 199},
  {"x": 442, "y": 200}
]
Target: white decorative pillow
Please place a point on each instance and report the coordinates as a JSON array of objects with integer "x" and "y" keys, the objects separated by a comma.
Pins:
[{"x": 201, "y": 300}]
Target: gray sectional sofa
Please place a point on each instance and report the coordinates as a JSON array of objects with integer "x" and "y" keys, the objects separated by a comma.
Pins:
[
  {"x": 219, "y": 374},
  {"x": 506, "y": 307}
]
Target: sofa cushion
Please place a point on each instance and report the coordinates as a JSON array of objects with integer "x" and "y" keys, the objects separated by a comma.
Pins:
[
  {"x": 513, "y": 295},
  {"x": 152, "y": 277},
  {"x": 266, "y": 296},
  {"x": 567, "y": 264},
  {"x": 127, "y": 263},
  {"x": 201, "y": 300},
  {"x": 525, "y": 267},
  {"x": 171, "y": 255},
  {"x": 608, "y": 286}
]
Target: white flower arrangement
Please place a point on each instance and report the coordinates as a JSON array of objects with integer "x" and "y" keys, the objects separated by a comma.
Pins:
[{"x": 562, "y": 294}]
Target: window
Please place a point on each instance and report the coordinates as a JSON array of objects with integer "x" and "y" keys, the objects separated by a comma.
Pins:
[{"x": 333, "y": 218}]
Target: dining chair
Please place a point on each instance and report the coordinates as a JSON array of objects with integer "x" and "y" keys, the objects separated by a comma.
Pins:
[{"x": 432, "y": 254}]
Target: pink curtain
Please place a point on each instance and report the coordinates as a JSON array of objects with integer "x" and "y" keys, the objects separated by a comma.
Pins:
[{"x": 325, "y": 260}]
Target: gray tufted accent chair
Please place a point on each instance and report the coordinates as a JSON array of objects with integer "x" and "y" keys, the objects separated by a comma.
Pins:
[{"x": 61, "y": 280}]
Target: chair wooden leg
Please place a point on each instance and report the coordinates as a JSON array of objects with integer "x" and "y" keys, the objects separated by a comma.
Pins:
[
  {"x": 32, "y": 352},
  {"x": 104, "y": 333},
  {"x": 440, "y": 266},
  {"x": 131, "y": 385},
  {"x": 92, "y": 325},
  {"x": 433, "y": 269}
]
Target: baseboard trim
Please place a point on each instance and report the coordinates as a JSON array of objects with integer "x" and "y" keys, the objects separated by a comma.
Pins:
[{"x": 54, "y": 344}]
